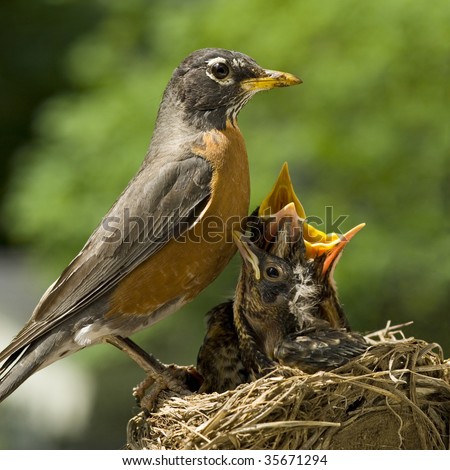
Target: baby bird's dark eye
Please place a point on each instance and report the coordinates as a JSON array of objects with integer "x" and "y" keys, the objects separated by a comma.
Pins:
[
  {"x": 220, "y": 70},
  {"x": 272, "y": 272}
]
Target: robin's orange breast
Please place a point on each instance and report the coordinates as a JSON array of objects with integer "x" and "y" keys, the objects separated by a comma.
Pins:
[{"x": 182, "y": 268}]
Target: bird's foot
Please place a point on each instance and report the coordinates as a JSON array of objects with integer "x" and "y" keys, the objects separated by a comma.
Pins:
[{"x": 181, "y": 380}]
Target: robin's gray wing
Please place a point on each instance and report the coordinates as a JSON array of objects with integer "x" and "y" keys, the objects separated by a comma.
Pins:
[
  {"x": 159, "y": 204},
  {"x": 317, "y": 350}
]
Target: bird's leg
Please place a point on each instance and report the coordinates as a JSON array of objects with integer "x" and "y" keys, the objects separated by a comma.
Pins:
[
  {"x": 159, "y": 376},
  {"x": 143, "y": 359}
]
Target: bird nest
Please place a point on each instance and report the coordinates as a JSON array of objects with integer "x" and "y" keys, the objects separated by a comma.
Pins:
[{"x": 395, "y": 396}]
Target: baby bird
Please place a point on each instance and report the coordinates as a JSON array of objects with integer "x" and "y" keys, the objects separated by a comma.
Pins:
[
  {"x": 286, "y": 310},
  {"x": 219, "y": 359}
]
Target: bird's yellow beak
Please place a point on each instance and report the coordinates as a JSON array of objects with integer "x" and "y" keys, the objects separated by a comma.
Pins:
[
  {"x": 287, "y": 212},
  {"x": 318, "y": 242},
  {"x": 270, "y": 79},
  {"x": 246, "y": 252},
  {"x": 278, "y": 204},
  {"x": 331, "y": 245},
  {"x": 282, "y": 202},
  {"x": 281, "y": 195}
]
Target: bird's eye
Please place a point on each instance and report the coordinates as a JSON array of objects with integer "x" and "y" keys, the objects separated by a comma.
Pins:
[
  {"x": 272, "y": 272},
  {"x": 220, "y": 70}
]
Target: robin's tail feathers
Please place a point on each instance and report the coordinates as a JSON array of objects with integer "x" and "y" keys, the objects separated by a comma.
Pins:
[{"x": 23, "y": 363}]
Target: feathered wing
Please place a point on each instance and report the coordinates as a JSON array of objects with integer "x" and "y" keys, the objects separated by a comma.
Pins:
[
  {"x": 323, "y": 349},
  {"x": 161, "y": 204}
]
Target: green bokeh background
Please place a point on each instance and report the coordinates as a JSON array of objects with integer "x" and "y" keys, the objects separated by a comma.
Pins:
[{"x": 367, "y": 134}]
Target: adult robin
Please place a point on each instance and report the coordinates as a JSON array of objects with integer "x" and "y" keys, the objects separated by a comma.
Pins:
[
  {"x": 154, "y": 251},
  {"x": 271, "y": 314}
]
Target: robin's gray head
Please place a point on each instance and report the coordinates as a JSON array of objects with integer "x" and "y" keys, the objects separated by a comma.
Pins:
[{"x": 211, "y": 86}]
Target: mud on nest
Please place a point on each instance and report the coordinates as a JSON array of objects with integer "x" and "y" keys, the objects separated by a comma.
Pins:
[{"x": 395, "y": 396}]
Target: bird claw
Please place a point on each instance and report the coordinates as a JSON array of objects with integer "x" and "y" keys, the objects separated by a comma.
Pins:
[
  {"x": 180, "y": 380},
  {"x": 146, "y": 393}
]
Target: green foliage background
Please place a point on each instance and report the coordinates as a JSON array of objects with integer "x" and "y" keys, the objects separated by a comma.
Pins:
[{"x": 366, "y": 133}]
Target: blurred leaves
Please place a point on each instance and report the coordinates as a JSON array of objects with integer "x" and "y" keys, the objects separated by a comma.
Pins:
[{"x": 367, "y": 133}]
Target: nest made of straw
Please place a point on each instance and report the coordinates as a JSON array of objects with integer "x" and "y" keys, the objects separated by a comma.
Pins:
[{"x": 395, "y": 396}]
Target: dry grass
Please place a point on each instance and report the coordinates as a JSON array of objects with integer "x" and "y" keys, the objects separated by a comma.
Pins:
[{"x": 396, "y": 396}]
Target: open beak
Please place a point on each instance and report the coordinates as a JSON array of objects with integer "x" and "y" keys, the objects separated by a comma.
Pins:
[
  {"x": 244, "y": 247},
  {"x": 317, "y": 242},
  {"x": 287, "y": 212},
  {"x": 282, "y": 203},
  {"x": 269, "y": 79},
  {"x": 332, "y": 248},
  {"x": 281, "y": 195}
]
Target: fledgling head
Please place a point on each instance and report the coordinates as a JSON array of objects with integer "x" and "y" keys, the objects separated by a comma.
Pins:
[
  {"x": 265, "y": 290},
  {"x": 212, "y": 85},
  {"x": 316, "y": 254},
  {"x": 288, "y": 284},
  {"x": 321, "y": 255},
  {"x": 313, "y": 256}
]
